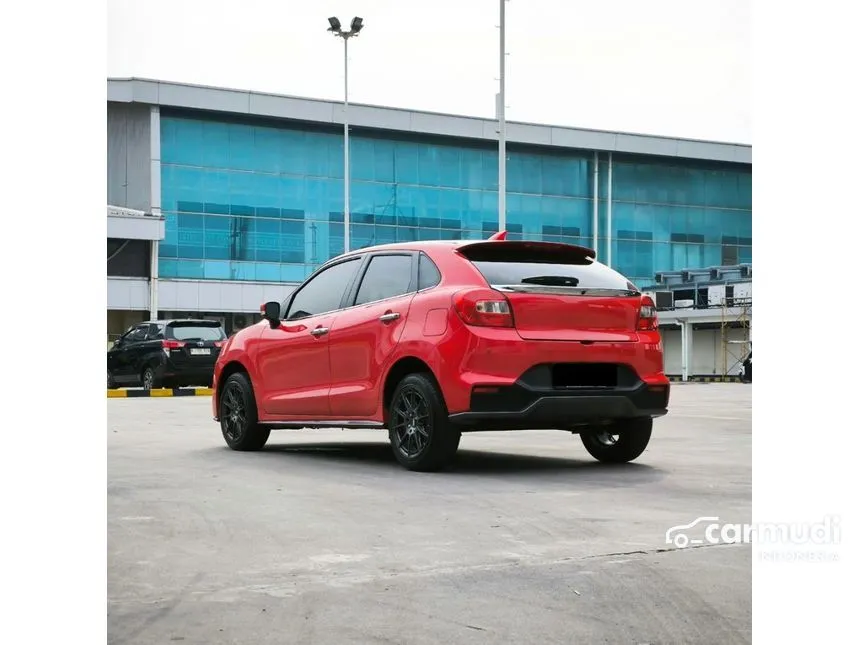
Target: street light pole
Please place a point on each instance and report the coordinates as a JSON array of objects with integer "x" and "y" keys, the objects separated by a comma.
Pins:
[
  {"x": 335, "y": 28},
  {"x": 502, "y": 142},
  {"x": 345, "y": 146}
]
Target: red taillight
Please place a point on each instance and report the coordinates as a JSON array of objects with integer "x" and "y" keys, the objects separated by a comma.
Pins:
[
  {"x": 647, "y": 315},
  {"x": 220, "y": 343},
  {"x": 483, "y": 308},
  {"x": 172, "y": 344}
]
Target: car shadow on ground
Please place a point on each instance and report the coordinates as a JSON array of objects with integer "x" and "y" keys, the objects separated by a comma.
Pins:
[{"x": 473, "y": 462}]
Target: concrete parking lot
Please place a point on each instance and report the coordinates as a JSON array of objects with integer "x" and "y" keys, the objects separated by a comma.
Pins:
[{"x": 323, "y": 538}]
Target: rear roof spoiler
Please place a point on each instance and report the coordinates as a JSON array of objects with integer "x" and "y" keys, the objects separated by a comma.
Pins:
[{"x": 490, "y": 246}]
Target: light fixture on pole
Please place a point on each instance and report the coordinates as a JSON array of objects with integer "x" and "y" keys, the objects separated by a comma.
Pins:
[{"x": 354, "y": 28}]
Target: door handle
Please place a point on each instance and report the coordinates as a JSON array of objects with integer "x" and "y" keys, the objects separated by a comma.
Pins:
[
  {"x": 391, "y": 315},
  {"x": 319, "y": 331}
]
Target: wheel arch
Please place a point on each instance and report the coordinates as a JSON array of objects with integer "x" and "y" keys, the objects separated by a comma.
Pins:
[
  {"x": 401, "y": 368},
  {"x": 232, "y": 367}
]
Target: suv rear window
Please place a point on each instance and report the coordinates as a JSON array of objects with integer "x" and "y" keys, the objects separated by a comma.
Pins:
[
  {"x": 195, "y": 331},
  {"x": 542, "y": 263}
]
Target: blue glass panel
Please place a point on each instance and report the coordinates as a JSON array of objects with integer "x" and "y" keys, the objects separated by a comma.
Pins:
[
  {"x": 268, "y": 272},
  {"x": 490, "y": 170},
  {"x": 190, "y": 269},
  {"x": 292, "y": 241},
  {"x": 713, "y": 254},
  {"x": 191, "y": 236},
  {"x": 448, "y": 164},
  {"x": 531, "y": 180},
  {"x": 216, "y": 270},
  {"x": 168, "y": 268},
  {"x": 215, "y": 146},
  {"x": 267, "y": 240},
  {"x": 407, "y": 234},
  {"x": 267, "y": 154},
  {"x": 361, "y": 159},
  {"x": 471, "y": 168},
  {"x": 385, "y": 234},
  {"x": 187, "y": 143},
  {"x": 293, "y": 272},
  {"x": 406, "y": 163},
  {"x": 218, "y": 238}
]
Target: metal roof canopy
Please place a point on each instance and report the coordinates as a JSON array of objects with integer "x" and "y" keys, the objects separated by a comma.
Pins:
[{"x": 261, "y": 104}]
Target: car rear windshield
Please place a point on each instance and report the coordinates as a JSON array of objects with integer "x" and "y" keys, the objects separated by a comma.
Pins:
[
  {"x": 543, "y": 264},
  {"x": 196, "y": 331}
]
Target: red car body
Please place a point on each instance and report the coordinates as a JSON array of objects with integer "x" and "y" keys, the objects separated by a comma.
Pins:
[{"x": 577, "y": 349}]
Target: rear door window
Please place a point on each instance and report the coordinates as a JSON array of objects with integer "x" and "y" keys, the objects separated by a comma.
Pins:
[
  {"x": 536, "y": 265},
  {"x": 195, "y": 331},
  {"x": 137, "y": 335},
  {"x": 387, "y": 276}
]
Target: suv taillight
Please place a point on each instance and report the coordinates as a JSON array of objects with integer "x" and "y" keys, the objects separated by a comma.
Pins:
[
  {"x": 483, "y": 308},
  {"x": 647, "y": 315},
  {"x": 167, "y": 345}
]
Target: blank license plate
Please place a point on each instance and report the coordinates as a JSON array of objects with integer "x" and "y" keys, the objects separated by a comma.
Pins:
[{"x": 197, "y": 351}]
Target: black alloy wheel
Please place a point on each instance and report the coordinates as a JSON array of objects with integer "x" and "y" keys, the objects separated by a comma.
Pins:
[
  {"x": 422, "y": 438},
  {"x": 148, "y": 378},
  {"x": 410, "y": 416},
  {"x": 237, "y": 411}
]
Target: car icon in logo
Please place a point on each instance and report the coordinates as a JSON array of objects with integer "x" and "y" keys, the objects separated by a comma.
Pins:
[{"x": 676, "y": 535}]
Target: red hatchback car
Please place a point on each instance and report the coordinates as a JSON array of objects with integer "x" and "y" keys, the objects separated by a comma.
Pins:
[{"x": 433, "y": 339}]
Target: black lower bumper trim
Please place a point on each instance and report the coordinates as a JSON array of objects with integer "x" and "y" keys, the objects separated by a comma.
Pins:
[{"x": 563, "y": 410}]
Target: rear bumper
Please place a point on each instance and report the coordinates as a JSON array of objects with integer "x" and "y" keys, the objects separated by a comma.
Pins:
[
  {"x": 476, "y": 356},
  {"x": 520, "y": 408},
  {"x": 188, "y": 375}
]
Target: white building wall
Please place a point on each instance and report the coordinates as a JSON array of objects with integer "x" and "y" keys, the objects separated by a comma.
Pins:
[
  {"x": 130, "y": 294},
  {"x": 707, "y": 351}
]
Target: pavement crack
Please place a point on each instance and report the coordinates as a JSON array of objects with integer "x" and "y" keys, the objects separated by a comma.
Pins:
[{"x": 650, "y": 551}]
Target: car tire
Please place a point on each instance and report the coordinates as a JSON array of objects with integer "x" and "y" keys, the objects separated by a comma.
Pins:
[
  {"x": 620, "y": 442},
  {"x": 111, "y": 384},
  {"x": 148, "y": 378},
  {"x": 422, "y": 438},
  {"x": 237, "y": 411}
]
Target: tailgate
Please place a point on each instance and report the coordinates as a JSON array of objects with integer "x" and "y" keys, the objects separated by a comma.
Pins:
[
  {"x": 195, "y": 343},
  {"x": 559, "y": 291}
]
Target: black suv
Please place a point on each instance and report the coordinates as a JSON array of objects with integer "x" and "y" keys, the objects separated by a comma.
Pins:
[{"x": 166, "y": 353}]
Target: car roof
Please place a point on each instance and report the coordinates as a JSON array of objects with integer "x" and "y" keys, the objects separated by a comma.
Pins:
[{"x": 420, "y": 245}]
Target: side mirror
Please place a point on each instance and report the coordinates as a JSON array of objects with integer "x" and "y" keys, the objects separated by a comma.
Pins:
[{"x": 272, "y": 313}]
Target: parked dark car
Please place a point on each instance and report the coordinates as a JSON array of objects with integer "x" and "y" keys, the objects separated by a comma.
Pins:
[
  {"x": 165, "y": 353},
  {"x": 746, "y": 369}
]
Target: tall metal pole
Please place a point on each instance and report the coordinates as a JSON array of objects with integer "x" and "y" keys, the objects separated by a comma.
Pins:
[
  {"x": 345, "y": 146},
  {"x": 609, "y": 214},
  {"x": 502, "y": 142},
  {"x": 594, "y": 203}
]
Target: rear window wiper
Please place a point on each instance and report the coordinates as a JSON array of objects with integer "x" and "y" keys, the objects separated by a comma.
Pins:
[{"x": 552, "y": 280}]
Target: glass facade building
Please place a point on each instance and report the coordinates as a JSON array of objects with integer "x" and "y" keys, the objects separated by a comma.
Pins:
[{"x": 255, "y": 200}]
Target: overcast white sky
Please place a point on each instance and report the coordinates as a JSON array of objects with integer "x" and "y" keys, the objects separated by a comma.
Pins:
[{"x": 669, "y": 67}]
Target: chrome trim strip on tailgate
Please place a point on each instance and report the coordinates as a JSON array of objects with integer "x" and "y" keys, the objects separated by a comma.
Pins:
[{"x": 563, "y": 291}]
